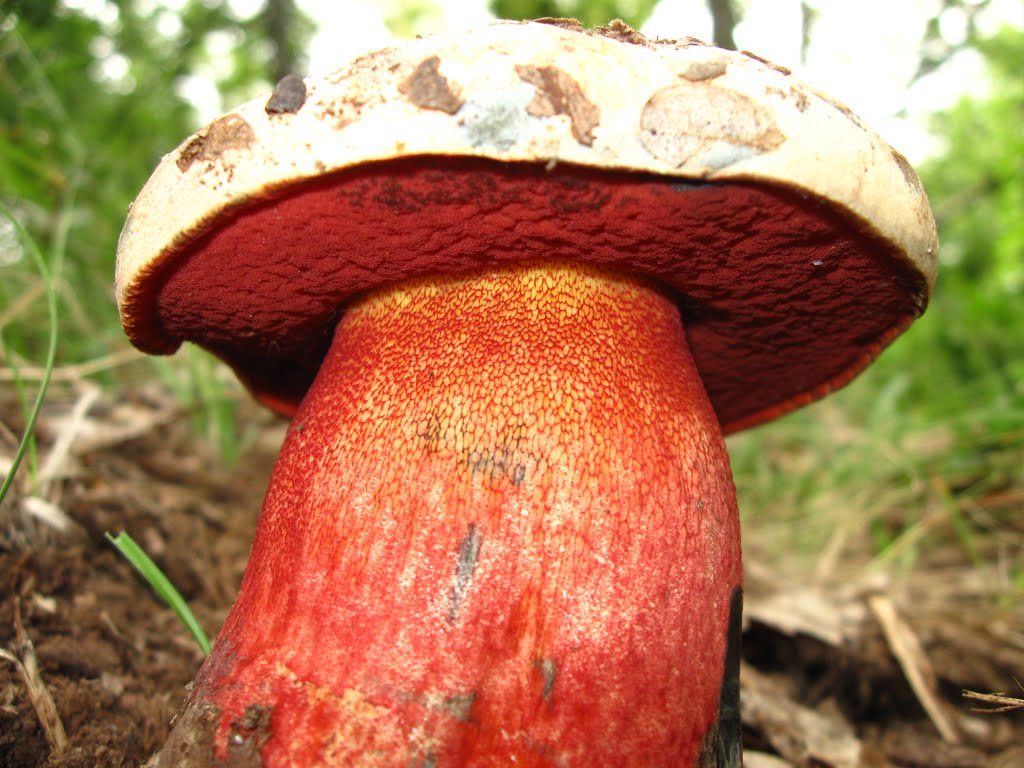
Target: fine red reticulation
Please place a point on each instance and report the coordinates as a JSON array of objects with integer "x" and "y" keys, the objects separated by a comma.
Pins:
[
  {"x": 783, "y": 298},
  {"x": 502, "y": 531}
]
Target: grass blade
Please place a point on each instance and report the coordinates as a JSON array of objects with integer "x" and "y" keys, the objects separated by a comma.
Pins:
[
  {"x": 51, "y": 350},
  {"x": 133, "y": 553}
]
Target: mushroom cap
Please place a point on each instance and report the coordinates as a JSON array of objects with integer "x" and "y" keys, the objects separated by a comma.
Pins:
[{"x": 796, "y": 242}]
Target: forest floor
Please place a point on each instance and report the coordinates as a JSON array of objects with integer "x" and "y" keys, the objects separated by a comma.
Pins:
[{"x": 837, "y": 673}]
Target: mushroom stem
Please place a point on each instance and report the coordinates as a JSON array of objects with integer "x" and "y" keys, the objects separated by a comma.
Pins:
[{"x": 502, "y": 530}]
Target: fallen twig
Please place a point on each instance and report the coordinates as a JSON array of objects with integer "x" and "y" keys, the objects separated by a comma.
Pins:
[{"x": 1002, "y": 702}]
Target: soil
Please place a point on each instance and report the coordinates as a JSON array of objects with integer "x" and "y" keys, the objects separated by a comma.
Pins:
[{"x": 826, "y": 675}]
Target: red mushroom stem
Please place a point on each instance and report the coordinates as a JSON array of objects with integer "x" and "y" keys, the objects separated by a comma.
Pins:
[{"x": 502, "y": 530}]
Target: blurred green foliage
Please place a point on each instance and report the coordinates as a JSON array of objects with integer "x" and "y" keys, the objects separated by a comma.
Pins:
[
  {"x": 984, "y": 162},
  {"x": 969, "y": 347},
  {"x": 88, "y": 105},
  {"x": 593, "y": 13}
]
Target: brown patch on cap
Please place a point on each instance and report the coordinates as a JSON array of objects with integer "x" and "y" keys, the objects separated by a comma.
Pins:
[
  {"x": 559, "y": 94},
  {"x": 229, "y": 132},
  {"x": 794, "y": 93},
  {"x": 705, "y": 124},
  {"x": 704, "y": 70},
  {"x": 288, "y": 97},
  {"x": 427, "y": 88}
]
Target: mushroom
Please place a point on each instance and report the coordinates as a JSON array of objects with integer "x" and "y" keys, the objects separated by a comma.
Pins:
[{"x": 513, "y": 286}]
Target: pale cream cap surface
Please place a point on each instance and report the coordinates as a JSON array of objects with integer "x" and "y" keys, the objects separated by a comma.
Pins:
[{"x": 547, "y": 93}]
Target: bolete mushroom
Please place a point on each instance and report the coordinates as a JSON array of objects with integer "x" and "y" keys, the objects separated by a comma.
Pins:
[{"x": 513, "y": 286}]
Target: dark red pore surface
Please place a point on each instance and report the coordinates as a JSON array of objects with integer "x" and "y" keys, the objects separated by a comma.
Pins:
[{"x": 783, "y": 298}]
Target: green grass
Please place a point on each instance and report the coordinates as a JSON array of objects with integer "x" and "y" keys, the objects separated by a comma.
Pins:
[
  {"x": 907, "y": 457},
  {"x": 27, "y": 443},
  {"x": 149, "y": 570},
  {"x": 210, "y": 394}
]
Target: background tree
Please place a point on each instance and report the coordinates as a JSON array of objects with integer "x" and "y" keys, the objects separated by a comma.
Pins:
[{"x": 723, "y": 22}]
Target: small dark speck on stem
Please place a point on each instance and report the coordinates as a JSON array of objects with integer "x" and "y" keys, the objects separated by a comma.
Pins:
[
  {"x": 548, "y": 670},
  {"x": 465, "y": 565}
]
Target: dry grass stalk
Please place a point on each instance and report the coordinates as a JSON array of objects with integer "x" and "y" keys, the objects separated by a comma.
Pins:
[
  {"x": 61, "y": 448},
  {"x": 75, "y": 371},
  {"x": 753, "y": 759},
  {"x": 17, "y": 307},
  {"x": 1001, "y": 702},
  {"x": 23, "y": 656},
  {"x": 910, "y": 654}
]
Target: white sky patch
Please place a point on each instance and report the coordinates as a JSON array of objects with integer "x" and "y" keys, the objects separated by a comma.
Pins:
[
  {"x": 168, "y": 24},
  {"x": 347, "y": 30},
  {"x": 771, "y": 29},
  {"x": 202, "y": 94},
  {"x": 454, "y": 15},
  {"x": 679, "y": 18},
  {"x": 999, "y": 13},
  {"x": 246, "y": 9},
  {"x": 344, "y": 30},
  {"x": 865, "y": 64},
  {"x": 953, "y": 25},
  {"x": 103, "y": 11},
  {"x": 868, "y": 66},
  {"x": 11, "y": 250}
]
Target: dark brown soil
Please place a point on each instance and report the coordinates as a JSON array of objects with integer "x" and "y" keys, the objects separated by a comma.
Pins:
[
  {"x": 114, "y": 658},
  {"x": 116, "y": 662}
]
